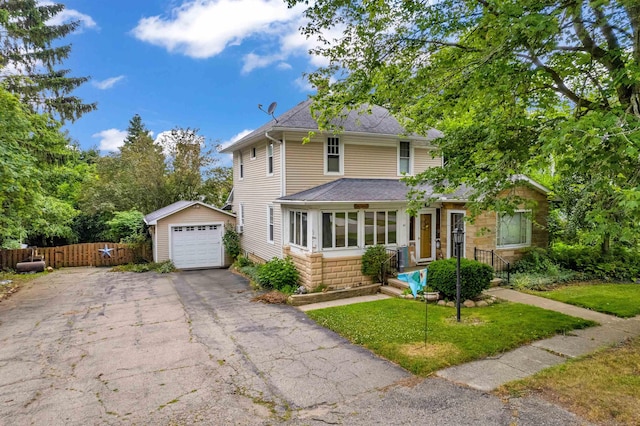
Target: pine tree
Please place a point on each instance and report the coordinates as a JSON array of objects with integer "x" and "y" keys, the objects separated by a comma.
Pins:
[{"x": 27, "y": 49}]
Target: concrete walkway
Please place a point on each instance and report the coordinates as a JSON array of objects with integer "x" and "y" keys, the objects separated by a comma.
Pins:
[
  {"x": 491, "y": 373},
  {"x": 488, "y": 374}
]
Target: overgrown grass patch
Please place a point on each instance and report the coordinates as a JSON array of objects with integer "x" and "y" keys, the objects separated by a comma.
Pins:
[
  {"x": 622, "y": 300},
  {"x": 602, "y": 387},
  {"x": 10, "y": 282},
  {"x": 161, "y": 267},
  {"x": 394, "y": 329}
]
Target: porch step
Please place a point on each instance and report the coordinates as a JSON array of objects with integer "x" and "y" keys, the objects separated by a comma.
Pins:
[
  {"x": 496, "y": 282},
  {"x": 391, "y": 291},
  {"x": 395, "y": 288},
  {"x": 394, "y": 282}
]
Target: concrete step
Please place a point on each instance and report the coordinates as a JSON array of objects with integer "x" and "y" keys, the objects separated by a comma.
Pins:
[
  {"x": 496, "y": 282},
  {"x": 394, "y": 282},
  {"x": 391, "y": 291}
]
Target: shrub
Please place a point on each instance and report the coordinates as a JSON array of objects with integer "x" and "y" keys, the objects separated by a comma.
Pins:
[
  {"x": 278, "y": 274},
  {"x": 243, "y": 261},
  {"x": 621, "y": 263},
  {"x": 374, "y": 262},
  {"x": 474, "y": 277},
  {"x": 231, "y": 241},
  {"x": 250, "y": 271},
  {"x": 535, "y": 260},
  {"x": 541, "y": 281}
]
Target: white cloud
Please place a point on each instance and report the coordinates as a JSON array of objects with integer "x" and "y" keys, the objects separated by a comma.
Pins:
[
  {"x": 68, "y": 15},
  {"x": 110, "y": 139},
  {"x": 205, "y": 28},
  {"x": 107, "y": 83},
  {"x": 234, "y": 138},
  {"x": 303, "y": 84}
]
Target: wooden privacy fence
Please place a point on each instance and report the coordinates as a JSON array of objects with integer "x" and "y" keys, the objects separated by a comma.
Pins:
[{"x": 89, "y": 254}]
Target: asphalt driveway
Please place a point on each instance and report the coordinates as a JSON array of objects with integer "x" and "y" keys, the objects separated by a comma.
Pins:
[{"x": 87, "y": 346}]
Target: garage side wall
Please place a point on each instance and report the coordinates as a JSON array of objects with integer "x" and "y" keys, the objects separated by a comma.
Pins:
[{"x": 194, "y": 215}]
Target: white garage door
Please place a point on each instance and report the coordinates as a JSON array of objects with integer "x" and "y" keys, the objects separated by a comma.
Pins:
[{"x": 197, "y": 246}]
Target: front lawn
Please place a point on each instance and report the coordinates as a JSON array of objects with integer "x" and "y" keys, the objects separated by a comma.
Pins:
[
  {"x": 394, "y": 329},
  {"x": 622, "y": 300},
  {"x": 601, "y": 387}
]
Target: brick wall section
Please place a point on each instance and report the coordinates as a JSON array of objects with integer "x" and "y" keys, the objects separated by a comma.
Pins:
[
  {"x": 482, "y": 233},
  {"x": 338, "y": 273},
  {"x": 343, "y": 272}
]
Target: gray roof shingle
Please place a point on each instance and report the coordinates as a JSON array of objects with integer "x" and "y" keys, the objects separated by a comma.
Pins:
[
  {"x": 361, "y": 190},
  {"x": 378, "y": 121}
]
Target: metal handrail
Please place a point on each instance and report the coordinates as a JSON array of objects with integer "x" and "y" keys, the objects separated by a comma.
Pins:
[
  {"x": 500, "y": 266},
  {"x": 389, "y": 266}
]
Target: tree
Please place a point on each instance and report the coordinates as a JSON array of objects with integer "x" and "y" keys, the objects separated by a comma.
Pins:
[
  {"x": 517, "y": 86},
  {"x": 29, "y": 46},
  {"x": 133, "y": 178},
  {"x": 31, "y": 147}
]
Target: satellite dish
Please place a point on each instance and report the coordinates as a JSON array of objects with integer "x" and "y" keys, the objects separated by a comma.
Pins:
[{"x": 270, "y": 109}]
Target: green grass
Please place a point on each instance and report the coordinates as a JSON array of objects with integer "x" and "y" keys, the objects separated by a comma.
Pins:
[
  {"x": 622, "y": 300},
  {"x": 602, "y": 387},
  {"x": 394, "y": 329}
]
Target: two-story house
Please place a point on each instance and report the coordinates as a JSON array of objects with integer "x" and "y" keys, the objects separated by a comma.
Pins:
[{"x": 324, "y": 202}]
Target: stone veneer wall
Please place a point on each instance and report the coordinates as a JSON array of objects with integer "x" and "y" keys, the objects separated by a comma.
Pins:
[
  {"x": 482, "y": 232},
  {"x": 335, "y": 273}
]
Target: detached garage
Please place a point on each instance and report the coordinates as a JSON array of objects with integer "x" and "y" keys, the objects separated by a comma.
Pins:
[{"x": 189, "y": 233}]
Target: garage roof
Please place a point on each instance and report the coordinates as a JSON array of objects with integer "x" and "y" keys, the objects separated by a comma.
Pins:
[{"x": 153, "y": 217}]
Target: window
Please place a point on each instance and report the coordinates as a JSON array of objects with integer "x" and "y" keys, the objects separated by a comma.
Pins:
[
  {"x": 241, "y": 161},
  {"x": 241, "y": 215},
  {"x": 333, "y": 157},
  {"x": 380, "y": 227},
  {"x": 253, "y": 153},
  {"x": 404, "y": 157},
  {"x": 514, "y": 230},
  {"x": 298, "y": 228},
  {"x": 270, "y": 224},
  {"x": 339, "y": 229},
  {"x": 270, "y": 159}
]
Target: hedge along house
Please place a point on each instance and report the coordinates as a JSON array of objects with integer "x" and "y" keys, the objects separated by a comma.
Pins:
[
  {"x": 324, "y": 202},
  {"x": 189, "y": 233}
]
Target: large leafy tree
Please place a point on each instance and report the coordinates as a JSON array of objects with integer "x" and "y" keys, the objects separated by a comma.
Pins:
[
  {"x": 517, "y": 86},
  {"x": 31, "y": 149},
  {"x": 30, "y": 56}
]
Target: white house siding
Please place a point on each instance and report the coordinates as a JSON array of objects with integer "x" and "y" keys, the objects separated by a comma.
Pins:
[
  {"x": 363, "y": 158},
  {"x": 189, "y": 216},
  {"x": 423, "y": 160},
  {"x": 256, "y": 191}
]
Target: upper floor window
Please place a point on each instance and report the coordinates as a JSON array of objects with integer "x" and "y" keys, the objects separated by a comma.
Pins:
[
  {"x": 270, "y": 224},
  {"x": 333, "y": 157},
  {"x": 404, "y": 157},
  {"x": 241, "y": 162},
  {"x": 339, "y": 229},
  {"x": 298, "y": 228},
  {"x": 380, "y": 227},
  {"x": 270, "y": 159},
  {"x": 253, "y": 153},
  {"x": 514, "y": 230}
]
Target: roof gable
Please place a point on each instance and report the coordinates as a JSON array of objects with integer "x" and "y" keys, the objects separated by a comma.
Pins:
[
  {"x": 153, "y": 217},
  {"x": 371, "y": 119}
]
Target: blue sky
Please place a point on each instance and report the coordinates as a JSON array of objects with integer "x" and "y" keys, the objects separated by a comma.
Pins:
[{"x": 201, "y": 64}]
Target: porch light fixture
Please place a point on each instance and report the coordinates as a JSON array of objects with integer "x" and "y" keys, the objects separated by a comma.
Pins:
[{"x": 458, "y": 239}]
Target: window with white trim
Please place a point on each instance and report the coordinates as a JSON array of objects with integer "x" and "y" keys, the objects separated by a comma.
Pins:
[
  {"x": 404, "y": 157},
  {"x": 241, "y": 162},
  {"x": 339, "y": 229},
  {"x": 270, "y": 159},
  {"x": 253, "y": 153},
  {"x": 270, "y": 224},
  {"x": 514, "y": 230},
  {"x": 333, "y": 156},
  {"x": 298, "y": 228},
  {"x": 241, "y": 215},
  {"x": 380, "y": 227}
]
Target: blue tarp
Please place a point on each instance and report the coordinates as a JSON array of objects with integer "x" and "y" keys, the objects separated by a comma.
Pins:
[{"x": 417, "y": 280}]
